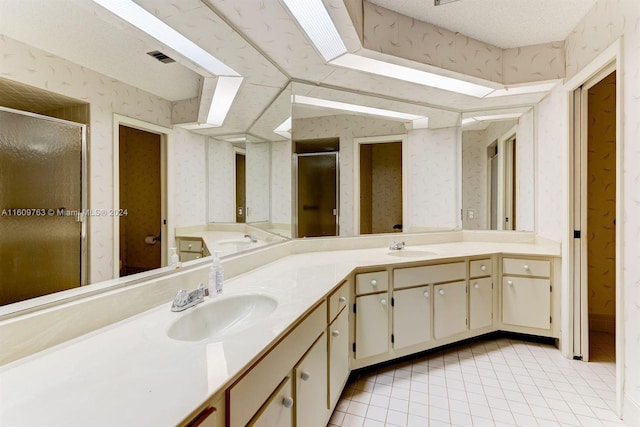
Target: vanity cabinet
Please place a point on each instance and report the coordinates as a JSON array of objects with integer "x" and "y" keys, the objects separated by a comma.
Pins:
[
  {"x": 411, "y": 316},
  {"x": 449, "y": 309},
  {"x": 338, "y": 347},
  {"x": 526, "y": 293},
  {"x": 190, "y": 248},
  {"x": 278, "y": 410},
  {"x": 481, "y": 293},
  {"x": 311, "y": 386},
  {"x": 372, "y": 325}
]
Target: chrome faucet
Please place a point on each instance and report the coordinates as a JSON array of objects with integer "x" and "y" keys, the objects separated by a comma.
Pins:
[
  {"x": 396, "y": 246},
  {"x": 185, "y": 299},
  {"x": 252, "y": 238}
]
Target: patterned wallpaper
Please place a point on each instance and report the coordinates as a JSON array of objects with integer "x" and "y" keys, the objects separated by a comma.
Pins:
[
  {"x": 221, "y": 169},
  {"x": 258, "y": 181},
  {"x": 550, "y": 164},
  {"x": 605, "y": 23},
  {"x": 395, "y": 34},
  {"x": 433, "y": 178},
  {"x": 189, "y": 194},
  {"x": 474, "y": 179},
  {"x": 525, "y": 155},
  {"x": 346, "y": 127},
  {"x": 28, "y": 65},
  {"x": 601, "y": 200},
  {"x": 281, "y": 189}
]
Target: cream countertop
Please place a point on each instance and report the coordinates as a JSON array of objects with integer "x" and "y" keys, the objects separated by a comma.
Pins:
[{"x": 131, "y": 373}]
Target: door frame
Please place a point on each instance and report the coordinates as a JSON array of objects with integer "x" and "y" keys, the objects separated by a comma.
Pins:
[
  {"x": 295, "y": 188},
  {"x": 166, "y": 185},
  {"x": 574, "y": 299},
  {"x": 406, "y": 202}
]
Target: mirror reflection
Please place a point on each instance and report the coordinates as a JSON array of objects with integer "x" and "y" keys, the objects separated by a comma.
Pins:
[{"x": 498, "y": 170}]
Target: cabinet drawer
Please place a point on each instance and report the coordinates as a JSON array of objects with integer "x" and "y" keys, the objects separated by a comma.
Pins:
[
  {"x": 368, "y": 283},
  {"x": 337, "y": 300},
  {"x": 404, "y": 277},
  {"x": 480, "y": 267},
  {"x": 526, "y": 267},
  {"x": 251, "y": 391},
  {"x": 189, "y": 256},
  {"x": 190, "y": 245}
]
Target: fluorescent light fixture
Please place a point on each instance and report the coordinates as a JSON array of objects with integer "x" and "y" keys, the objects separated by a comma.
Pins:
[
  {"x": 147, "y": 22},
  {"x": 468, "y": 121},
  {"x": 343, "y": 106},
  {"x": 317, "y": 24},
  {"x": 441, "y": 2},
  {"x": 284, "y": 129},
  {"x": 223, "y": 96},
  {"x": 235, "y": 139},
  {"x": 506, "y": 116},
  {"x": 520, "y": 90},
  {"x": 412, "y": 75},
  {"x": 195, "y": 126},
  {"x": 421, "y": 123}
]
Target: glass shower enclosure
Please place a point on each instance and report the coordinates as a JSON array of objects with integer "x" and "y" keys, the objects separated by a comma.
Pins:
[{"x": 42, "y": 205}]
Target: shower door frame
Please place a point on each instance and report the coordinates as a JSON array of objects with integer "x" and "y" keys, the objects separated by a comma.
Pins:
[{"x": 82, "y": 219}]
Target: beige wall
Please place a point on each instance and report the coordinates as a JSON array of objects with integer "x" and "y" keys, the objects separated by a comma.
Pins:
[
  {"x": 601, "y": 204},
  {"x": 386, "y": 186}
]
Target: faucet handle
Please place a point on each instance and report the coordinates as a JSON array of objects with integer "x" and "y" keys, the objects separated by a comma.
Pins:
[
  {"x": 181, "y": 299},
  {"x": 203, "y": 290}
]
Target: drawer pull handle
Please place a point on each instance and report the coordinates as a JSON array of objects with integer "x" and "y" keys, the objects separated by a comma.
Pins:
[
  {"x": 441, "y": 291},
  {"x": 305, "y": 375},
  {"x": 509, "y": 282},
  {"x": 483, "y": 267},
  {"x": 335, "y": 333},
  {"x": 342, "y": 299},
  {"x": 374, "y": 282},
  {"x": 526, "y": 267},
  {"x": 426, "y": 294},
  {"x": 476, "y": 285},
  {"x": 383, "y": 301},
  {"x": 287, "y": 402}
]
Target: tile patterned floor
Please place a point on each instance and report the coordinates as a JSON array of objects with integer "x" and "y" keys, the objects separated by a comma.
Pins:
[{"x": 495, "y": 382}]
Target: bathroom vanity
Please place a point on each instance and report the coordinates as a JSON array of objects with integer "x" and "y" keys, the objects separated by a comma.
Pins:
[{"x": 285, "y": 363}]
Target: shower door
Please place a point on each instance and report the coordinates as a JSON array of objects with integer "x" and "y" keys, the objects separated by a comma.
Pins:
[
  {"x": 41, "y": 205},
  {"x": 317, "y": 194}
]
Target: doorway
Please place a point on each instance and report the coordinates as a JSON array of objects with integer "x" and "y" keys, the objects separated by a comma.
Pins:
[
  {"x": 140, "y": 200},
  {"x": 241, "y": 187},
  {"x": 595, "y": 211},
  {"x": 381, "y": 188}
]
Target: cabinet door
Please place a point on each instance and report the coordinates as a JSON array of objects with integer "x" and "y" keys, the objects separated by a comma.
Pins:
[
  {"x": 311, "y": 386},
  {"x": 480, "y": 303},
  {"x": 526, "y": 302},
  {"x": 372, "y": 325},
  {"x": 412, "y": 316},
  {"x": 449, "y": 309},
  {"x": 278, "y": 410},
  {"x": 338, "y": 356}
]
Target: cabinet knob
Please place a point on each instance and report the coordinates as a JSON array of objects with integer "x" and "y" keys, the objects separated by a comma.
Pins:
[
  {"x": 476, "y": 285},
  {"x": 374, "y": 282},
  {"x": 483, "y": 267},
  {"x": 441, "y": 291},
  {"x": 287, "y": 402},
  {"x": 526, "y": 267},
  {"x": 383, "y": 301},
  {"x": 335, "y": 333},
  {"x": 305, "y": 375},
  {"x": 509, "y": 282},
  {"x": 426, "y": 294},
  {"x": 189, "y": 245},
  {"x": 342, "y": 299}
]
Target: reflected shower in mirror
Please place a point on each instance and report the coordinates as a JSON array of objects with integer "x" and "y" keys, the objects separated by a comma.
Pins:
[
  {"x": 420, "y": 182},
  {"x": 498, "y": 170}
]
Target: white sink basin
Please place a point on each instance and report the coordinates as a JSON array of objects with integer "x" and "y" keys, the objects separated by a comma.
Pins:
[
  {"x": 220, "y": 318},
  {"x": 233, "y": 245},
  {"x": 412, "y": 253}
]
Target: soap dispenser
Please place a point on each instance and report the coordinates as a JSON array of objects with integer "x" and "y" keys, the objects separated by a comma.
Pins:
[
  {"x": 216, "y": 277},
  {"x": 174, "y": 260}
]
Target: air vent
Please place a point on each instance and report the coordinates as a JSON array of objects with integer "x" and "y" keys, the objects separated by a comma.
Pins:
[{"x": 161, "y": 57}]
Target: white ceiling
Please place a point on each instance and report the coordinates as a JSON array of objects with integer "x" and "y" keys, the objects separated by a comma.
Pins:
[{"x": 502, "y": 23}]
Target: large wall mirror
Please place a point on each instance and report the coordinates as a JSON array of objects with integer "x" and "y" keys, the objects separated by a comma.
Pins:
[{"x": 498, "y": 161}]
